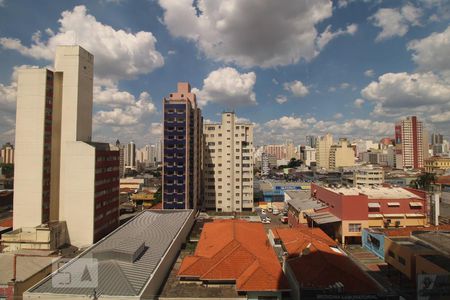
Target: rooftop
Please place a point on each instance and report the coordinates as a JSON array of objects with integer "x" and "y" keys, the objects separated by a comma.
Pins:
[
  {"x": 442, "y": 261},
  {"x": 375, "y": 192},
  {"x": 129, "y": 256},
  {"x": 317, "y": 262},
  {"x": 238, "y": 251},
  {"x": 302, "y": 200},
  {"x": 26, "y": 266},
  {"x": 437, "y": 239}
]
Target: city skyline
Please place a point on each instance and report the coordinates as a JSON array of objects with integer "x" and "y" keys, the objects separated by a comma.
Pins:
[{"x": 355, "y": 71}]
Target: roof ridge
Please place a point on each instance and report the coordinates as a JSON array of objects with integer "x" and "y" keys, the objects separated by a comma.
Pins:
[
  {"x": 127, "y": 282},
  {"x": 223, "y": 258},
  {"x": 256, "y": 264}
]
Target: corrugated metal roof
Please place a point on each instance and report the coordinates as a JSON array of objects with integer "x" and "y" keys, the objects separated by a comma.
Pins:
[
  {"x": 302, "y": 200},
  {"x": 116, "y": 277},
  {"x": 26, "y": 266}
]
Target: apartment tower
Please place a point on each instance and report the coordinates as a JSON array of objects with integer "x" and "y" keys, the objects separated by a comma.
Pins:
[
  {"x": 411, "y": 143},
  {"x": 182, "y": 149},
  {"x": 60, "y": 174},
  {"x": 323, "y": 147},
  {"x": 228, "y": 165}
]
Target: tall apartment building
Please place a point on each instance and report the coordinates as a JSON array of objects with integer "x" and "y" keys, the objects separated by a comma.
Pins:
[
  {"x": 60, "y": 174},
  {"x": 291, "y": 152},
  {"x": 323, "y": 147},
  {"x": 279, "y": 151},
  {"x": 437, "y": 139},
  {"x": 341, "y": 155},
  {"x": 308, "y": 155},
  {"x": 411, "y": 143},
  {"x": 121, "y": 148},
  {"x": 130, "y": 156},
  {"x": 182, "y": 157},
  {"x": 7, "y": 154},
  {"x": 311, "y": 141},
  {"x": 228, "y": 165}
]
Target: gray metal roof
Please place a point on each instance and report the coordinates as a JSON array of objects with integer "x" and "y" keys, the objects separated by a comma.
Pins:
[
  {"x": 302, "y": 200},
  {"x": 323, "y": 217},
  {"x": 128, "y": 257},
  {"x": 26, "y": 266}
]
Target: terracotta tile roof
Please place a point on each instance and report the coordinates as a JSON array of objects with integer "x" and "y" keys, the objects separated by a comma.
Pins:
[
  {"x": 235, "y": 250},
  {"x": 319, "y": 266}
]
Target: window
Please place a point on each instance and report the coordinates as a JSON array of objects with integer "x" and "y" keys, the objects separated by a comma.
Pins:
[
  {"x": 401, "y": 260},
  {"x": 354, "y": 227}
]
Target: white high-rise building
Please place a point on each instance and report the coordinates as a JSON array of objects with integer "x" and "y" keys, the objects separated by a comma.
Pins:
[
  {"x": 60, "y": 174},
  {"x": 228, "y": 165},
  {"x": 130, "y": 156}
]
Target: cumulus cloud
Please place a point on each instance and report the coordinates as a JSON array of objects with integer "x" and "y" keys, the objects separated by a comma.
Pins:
[
  {"x": 254, "y": 32},
  {"x": 156, "y": 129},
  {"x": 338, "y": 116},
  {"x": 280, "y": 99},
  {"x": 128, "y": 114},
  {"x": 327, "y": 35},
  {"x": 287, "y": 123},
  {"x": 432, "y": 52},
  {"x": 118, "y": 54},
  {"x": 2, "y": 3},
  {"x": 395, "y": 21},
  {"x": 404, "y": 90},
  {"x": 358, "y": 103},
  {"x": 369, "y": 73},
  {"x": 228, "y": 87},
  {"x": 297, "y": 88}
]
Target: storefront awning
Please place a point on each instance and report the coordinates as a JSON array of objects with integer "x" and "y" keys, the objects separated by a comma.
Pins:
[
  {"x": 323, "y": 217},
  {"x": 415, "y": 204},
  {"x": 393, "y": 203},
  {"x": 415, "y": 215},
  {"x": 394, "y": 215},
  {"x": 375, "y": 216},
  {"x": 374, "y": 205}
]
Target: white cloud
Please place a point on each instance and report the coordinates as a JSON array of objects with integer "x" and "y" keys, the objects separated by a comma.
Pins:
[
  {"x": 344, "y": 85},
  {"x": 297, "y": 88},
  {"x": 287, "y": 123},
  {"x": 250, "y": 33},
  {"x": 2, "y": 3},
  {"x": 404, "y": 90},
  {"x": 327, "y": 35},
  {"x": 171, "y": 52},
  {"x": 432, "y": 53},
  {"x": 228, "y": 87},
  {"x": 396, "y": 21},
  {"x": 338, "y": 116},
  {"x": 118, "y": 54},
  {"x": 358, "y": 103},
  {"x": 275, "y": 81},
  {"x": 110, "y": 95},
  {"x": 156, "y": 129},
  {"x": 128, "y": 114},
  {"x": 369, "y": 73},
  {"x": 280, "y": 99}
]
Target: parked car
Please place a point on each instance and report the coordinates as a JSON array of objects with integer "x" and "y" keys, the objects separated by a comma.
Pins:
[
  {"x": 284, "y": 219},
  {"x": 276, "y": 211}
]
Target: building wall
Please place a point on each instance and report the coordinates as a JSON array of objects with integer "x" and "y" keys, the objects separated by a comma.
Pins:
[
  {"x": 424, "y": 266},
  {"x": 33, "y": 120},
  {"x": 374, "y": 242},
  {"x": 228, "y": 165},
  {"x": 323, "y": 151},
  {"x": 341, "y": 155},
  {"x": 7, "y": 154}
]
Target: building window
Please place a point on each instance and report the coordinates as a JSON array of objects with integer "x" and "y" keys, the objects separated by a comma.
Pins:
[
  {"x": 354, "y": 227},
  {"x": 401, "y": 260}
]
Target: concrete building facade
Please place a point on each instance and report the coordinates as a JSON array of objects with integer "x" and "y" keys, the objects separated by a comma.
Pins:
[
  {"x": 323, "y": 147},
  {"x": 61, "y": 175},
  {"x": 228, "y": 165},
  {"x": 182, "y": 158},
  {"x": 341, "y": 155},
  {"x": 412, "y": 143},
  {"x": 7, "y": 154}
]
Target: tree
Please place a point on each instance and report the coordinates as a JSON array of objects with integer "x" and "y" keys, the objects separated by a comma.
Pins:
[
  {"x": 158, "y": 195},
  {"x": 425, "y": 181},
  {"x": 294, "y": 163}
]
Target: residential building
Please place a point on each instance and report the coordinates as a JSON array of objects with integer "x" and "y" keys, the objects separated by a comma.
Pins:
[
  {"x": 21, "y": 270},
  {"x": 368, "y": 176},
  {"x": 228, "y": 165},
  {"x": 316, "y": 267},
  {"x": 341, "y": 155},
  {"x": 121, "y": 158},
  {"x": 308, "y": 155},
  {"x": 7, "y": 154},
  {"x": 132, "y": 262},
  {"x": 437, "y": 164},
  {"x": 265, "y": 166},
  {"x": 311, "y": 141},
  {"x": 323, "y": 147},
  {"x": 279, "y": 151},
  {"x": 290, "y": 150},
  {"x": 182, "y": 150},
  {"x": 350, "y": 209},
  {"x": 53, "y": 146},
  {"x": 237, "y": 253},
  {"x": 130, "y": 156},
  {"x": 437, "y": 138},
  {"x": 412, "y": 143}
]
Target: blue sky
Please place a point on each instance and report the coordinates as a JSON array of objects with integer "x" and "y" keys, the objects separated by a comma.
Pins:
[{"x": 349, "y": 67}]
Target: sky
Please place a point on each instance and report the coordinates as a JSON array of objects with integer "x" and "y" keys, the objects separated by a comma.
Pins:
[{"x": 293, "y": 67}]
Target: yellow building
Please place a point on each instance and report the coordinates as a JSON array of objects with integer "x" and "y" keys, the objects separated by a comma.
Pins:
[{"x": 437, "y": 164}]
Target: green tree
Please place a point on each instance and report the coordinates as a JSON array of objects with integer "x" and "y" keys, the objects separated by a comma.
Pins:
[{"x": 158, "y": 195}]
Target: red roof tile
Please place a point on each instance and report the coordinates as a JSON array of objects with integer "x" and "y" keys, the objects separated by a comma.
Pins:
[
  {"x": 235, "y": 250},
  {"x": 315, "y": 264}
]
